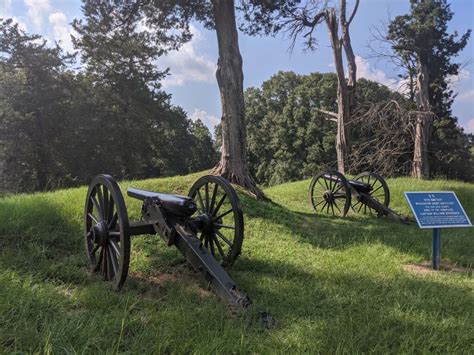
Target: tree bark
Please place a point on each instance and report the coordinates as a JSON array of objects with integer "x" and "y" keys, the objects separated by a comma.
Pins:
[
  {"x": 233, "y": 161},
  {"x": 343, "y": 95},
  {"x": 421, "y": 168}
]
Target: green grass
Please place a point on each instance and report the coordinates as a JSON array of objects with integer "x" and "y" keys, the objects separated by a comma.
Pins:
[{"x": 330, "y": 284}]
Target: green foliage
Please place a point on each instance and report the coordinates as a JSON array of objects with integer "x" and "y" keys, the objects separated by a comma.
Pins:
[
  {"x": 421, "y": 37},
  {"x": 35, "y": 93},
  {"x": 287, "y": 137},
  {"x": 203, "y": 155},
  {"x": 60, "y": 128},
  {"x": 332, "y": 285}
]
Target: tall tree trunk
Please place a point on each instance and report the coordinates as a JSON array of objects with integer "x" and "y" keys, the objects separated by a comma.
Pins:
[
  {"x": 350, "y": 57},
  {"x": 233, "y": 162},
  {"x": 421, "y": 168},
  {"x": 343, "y": 95}
]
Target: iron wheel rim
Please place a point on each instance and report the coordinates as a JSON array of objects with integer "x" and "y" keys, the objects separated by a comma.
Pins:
[
  {"x": 106, "y": 231},
  {"x": 328, "y": 196},
  {"x": 217, "y": 200},
  {"x": 379, "y": 191}
]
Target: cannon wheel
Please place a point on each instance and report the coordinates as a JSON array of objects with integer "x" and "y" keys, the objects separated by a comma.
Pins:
[
  {"x": 217, "y": 200},
  {"x": 330, "y": 196},
  {"x": 107, "y": 233},
  {"x": 379, "y": 191}
]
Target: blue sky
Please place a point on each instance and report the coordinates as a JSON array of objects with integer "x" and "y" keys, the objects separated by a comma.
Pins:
[{"x": 192, "y": 81}]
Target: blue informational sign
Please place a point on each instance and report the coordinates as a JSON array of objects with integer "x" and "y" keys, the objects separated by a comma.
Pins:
[{"x": 437, "y": 209}]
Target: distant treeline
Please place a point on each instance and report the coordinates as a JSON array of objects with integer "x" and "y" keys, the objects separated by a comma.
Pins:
[
  {"x": 290, "y": 137},
  {"x": 60, "y": 127}
]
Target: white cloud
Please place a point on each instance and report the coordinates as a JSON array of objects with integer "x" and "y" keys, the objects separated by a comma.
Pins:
[
  {"x": 365, "y": 70},
  {"x": 61, "y": 30},
  {"x": 469, "y": 126},
  {"x": 187, "y": 65},
  {"x": 37, "y": 11},
  {"x": 5, "y": 12},
  {"x": 209, "y": 120}
]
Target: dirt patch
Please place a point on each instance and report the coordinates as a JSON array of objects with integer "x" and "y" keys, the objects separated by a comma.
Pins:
[
  {"x": 426, "y": 268},
  {"x": 153, "y": 285}
]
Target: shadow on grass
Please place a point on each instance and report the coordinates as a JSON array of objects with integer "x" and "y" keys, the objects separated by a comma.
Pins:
[
  {"x": 38, "y": 238},
  {"x": 358, "y": 313},
  {"x": 326, "y": 231}
]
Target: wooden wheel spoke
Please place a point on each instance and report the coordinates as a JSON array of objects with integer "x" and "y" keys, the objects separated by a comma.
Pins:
[
  {"x": 320, "y": 202},
  {"x": 104, "y": 263},
  {"x": 114, "y": 233},
  {"x": 320, "y": 183},
  {"x": 338, "y": 189},
  {"x": 113, "y": 260},
  {"x": 224, "y": 226},
  {"x": 335, "y": 204},
  {"x": 227, "y": 241},
  {"x": 110, "y": 270},
  {"x": 360, "y": 207},
  {"x": 95, "y": 203},
  {"x": 332, "y": 208},
  {"x": 326, "y": 183},
  {"x": 89, "y": 234},
  {"x": 378, "y": 188},
  {"x": 223, "y": 214},
  {"x": 325, "y": 203},
  {"x": 106, "y": 203},
  {"x": 213, "y": 198},
  {"x": 111, "y": 209},
  {"x": 355, "y": 205},
  {"x": 94, "y": 218},
  {"x": 219, "y": 247},
  {"x": 201, "y": 204},
  {"x": 113, "y": 222},
  {"x": 211, "y": 244},
  {"x": 219, "y": 204},
  {"x": 101, "y": 200},
  {"x": 99, "y": 260},
  {"x": 96, "y": 247},
  {"x": 206, "y": 195},
  {"x": 115, "y": 247}
]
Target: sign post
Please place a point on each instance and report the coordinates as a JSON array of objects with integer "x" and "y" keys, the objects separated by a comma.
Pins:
[{"x": 436, "y": 210}]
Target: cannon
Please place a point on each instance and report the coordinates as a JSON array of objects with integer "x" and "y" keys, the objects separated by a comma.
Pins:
[
  {"x": 207, "y": 227},
  {"x": 331, "y": 192}
]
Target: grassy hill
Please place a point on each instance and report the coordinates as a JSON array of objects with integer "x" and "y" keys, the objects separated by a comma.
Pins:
[{"x": 330, "y": 284}]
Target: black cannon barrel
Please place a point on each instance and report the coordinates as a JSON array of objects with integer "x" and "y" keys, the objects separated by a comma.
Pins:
[{"x": 178, "y": 205}]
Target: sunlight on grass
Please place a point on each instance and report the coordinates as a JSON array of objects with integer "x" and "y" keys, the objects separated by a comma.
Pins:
[{"x": 330, "y": 284}]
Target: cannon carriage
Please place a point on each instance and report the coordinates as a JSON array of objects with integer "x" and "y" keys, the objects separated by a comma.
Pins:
[
  {"x": 207, "y": 227},
  {"x": 368, "y": 193}
]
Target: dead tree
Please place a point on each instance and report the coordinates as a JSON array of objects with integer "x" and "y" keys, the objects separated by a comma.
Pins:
[{"x": 306, "y": 19}]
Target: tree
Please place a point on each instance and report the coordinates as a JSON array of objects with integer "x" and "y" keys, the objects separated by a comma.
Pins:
[
  {"x": 203, "y": 155},
  {"x": 127, "y": 103},
  {"x": 290, "y": 138},
  {"x": 34, "y": 97},
  {"x": 302, "y": 17},
  {"x": 168, "y": 21},
  {"x": 422, "y": 38}
]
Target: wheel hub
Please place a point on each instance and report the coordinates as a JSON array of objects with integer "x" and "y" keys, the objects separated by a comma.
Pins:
[
  {"x": 329, "y": 196},
  {"x": 101, "y": 233}
]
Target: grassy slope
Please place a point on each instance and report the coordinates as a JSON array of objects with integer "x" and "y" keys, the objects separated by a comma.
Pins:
[{"x": 331, "y": 284}]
